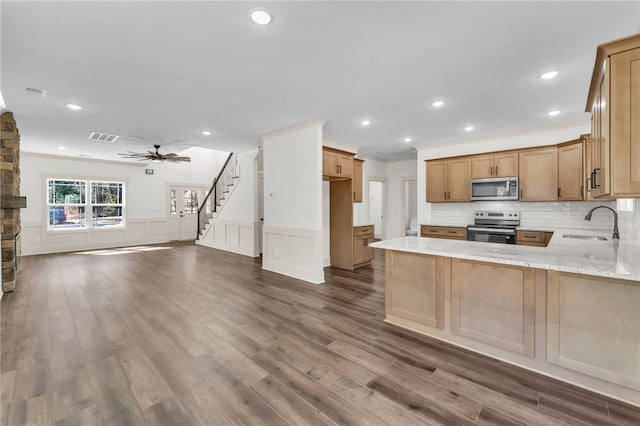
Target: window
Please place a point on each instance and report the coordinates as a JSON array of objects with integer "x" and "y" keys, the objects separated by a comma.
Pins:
[{"x": 80, "y": 204}]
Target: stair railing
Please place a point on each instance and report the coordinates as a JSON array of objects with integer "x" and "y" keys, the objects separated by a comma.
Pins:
[{"x": 220, "y": 184}]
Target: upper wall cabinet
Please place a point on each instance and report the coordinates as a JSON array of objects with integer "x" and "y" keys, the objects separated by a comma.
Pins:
[
  {"x": 448, "y": 180},
  {"x": 500, "y": 164},
  {"x": 336, "y": 163},
  {"x": 357, "y": 180},
  {"x": 614, "y": 101},
  {"x": 539, "y": 174},
  {"x": 570, "y": 171}
]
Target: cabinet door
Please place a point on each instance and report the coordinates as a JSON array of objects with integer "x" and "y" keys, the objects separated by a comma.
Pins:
[
  {"x": 625, "y": 123},
  {"x": 600, "y": 181},
  {"x": 329, "y": 163},
  {"x": 482, "y": 166},
  {"x": 506, "y": 164},
  {"x": 357, "y": 181},
  {"x": 459, "y": 179},
  {"x": 360, "y": 252},
  {"x": 570, "y": 159},
  {"x": 539, "y": 174},
  {"x": 345, "y": 166},
  {"x": 436, "y": 181}
]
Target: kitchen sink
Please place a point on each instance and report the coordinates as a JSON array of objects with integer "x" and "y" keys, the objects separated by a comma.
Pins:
[{"x": 584, "y": 237}]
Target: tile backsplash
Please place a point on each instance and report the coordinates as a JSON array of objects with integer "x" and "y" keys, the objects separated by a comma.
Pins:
[{"x": 548, "y": 215}]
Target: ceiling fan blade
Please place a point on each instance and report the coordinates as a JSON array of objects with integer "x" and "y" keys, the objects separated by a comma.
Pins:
[{"x": 179, "y": 159}]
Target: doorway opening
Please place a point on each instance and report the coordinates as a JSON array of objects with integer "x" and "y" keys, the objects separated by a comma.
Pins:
[{"x": 378, "y": 205}]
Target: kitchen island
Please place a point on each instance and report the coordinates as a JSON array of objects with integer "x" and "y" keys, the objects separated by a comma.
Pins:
[{"x": 570, "y": 310}]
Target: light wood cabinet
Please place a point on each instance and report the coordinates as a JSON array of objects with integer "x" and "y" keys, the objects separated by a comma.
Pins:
[
  {"x": 414, "y": 287},
  {"x": 448, "y": 232},
  {"x": 448, "y": 180},
  {"x": 614, "y": 99},
  {"x": 533, "y": 238},
  {"x": 336, "y": 163},
  {"x": 362, "y": 253},
  {"x": 357, "y": 180},
  {"x": 500, "y": 164},
  {"x": 539, "y": 174},
  {"x": 570, "y": 171}
]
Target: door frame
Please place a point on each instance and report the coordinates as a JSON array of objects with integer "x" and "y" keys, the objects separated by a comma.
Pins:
[
  {"x": 204, "y": 187},
  {"x": 383, "y": 202}
]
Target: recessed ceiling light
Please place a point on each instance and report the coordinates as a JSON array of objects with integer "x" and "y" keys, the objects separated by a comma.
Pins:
[
  {"x": 60, "y": 147},
  {"x": 74, "y": 107},
  {"x": 553, "y": 113},
  {"x": 549, "y": 75},
  {"x": 260, "y": 16},
  {"x": 407, "y": 139},
  {"x": 365, "y": 122},
  {"x": 469, "y": 128},
  {"x": 437, "y": 104},
  {"x": 206, "y": 132}
]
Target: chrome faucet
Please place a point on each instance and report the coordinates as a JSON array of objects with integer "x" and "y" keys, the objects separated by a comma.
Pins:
[{"x": 616, "y": 234}]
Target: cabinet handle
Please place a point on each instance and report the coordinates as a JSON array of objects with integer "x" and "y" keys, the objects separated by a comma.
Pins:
[
  {"x": 491, "y": 170},
  {"x": 530, "y": 236},
  {"x": 582, "y": 190},
  {"x": 496, "y": 170},
  {"x": 452, "y": 232},
  {"x": 520, "y": 192},
  {"x": 559, "y": 192},
  {"x": 593, "y": 180}
]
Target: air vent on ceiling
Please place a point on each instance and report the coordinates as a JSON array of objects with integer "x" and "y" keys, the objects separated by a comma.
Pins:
[
  {"x": 34, "y": 91},
  {"x": 102, "y": 137}
]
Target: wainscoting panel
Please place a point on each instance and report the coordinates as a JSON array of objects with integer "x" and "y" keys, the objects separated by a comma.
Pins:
[
  {"x": 294, "y": 252},
  {"x": 234, "y": 236}
]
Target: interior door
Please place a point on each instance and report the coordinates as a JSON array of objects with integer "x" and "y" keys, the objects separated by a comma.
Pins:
[{"x": 184, "y": 202}]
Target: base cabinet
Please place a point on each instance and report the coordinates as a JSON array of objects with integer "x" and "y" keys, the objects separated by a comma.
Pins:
[{"x": 362, "y": 253}]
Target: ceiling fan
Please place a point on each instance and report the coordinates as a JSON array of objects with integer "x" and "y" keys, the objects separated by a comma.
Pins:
[{"x": 155, "y": 157}]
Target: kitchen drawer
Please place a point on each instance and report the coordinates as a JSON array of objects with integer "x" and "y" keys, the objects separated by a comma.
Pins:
[
  {"x": 363, "y": 230},
  {"x": 443, "y": 232},
  {"x": 533, "y": 238}
]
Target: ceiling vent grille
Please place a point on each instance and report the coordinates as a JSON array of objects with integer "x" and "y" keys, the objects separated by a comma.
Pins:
[
  {"x": 102, "y": 137},
  {"x": 33, "y": 91}
]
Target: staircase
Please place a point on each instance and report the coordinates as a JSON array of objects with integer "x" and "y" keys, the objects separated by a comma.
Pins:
[{"x": 221, "y": 189}]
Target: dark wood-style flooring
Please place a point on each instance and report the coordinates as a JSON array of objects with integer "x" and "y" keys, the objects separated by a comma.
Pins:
[{"x": 179, "y": 334}]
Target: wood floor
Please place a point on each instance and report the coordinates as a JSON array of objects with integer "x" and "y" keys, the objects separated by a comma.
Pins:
[{"x": 180, "y": 334}]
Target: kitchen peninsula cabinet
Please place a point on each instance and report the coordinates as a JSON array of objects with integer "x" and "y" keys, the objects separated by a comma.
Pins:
[
  {"x": 500, "y": 164},
  {"x": 539, "y": 174},
  {"x": 448, "y": 180},
  {"x": 570, "y": 171},
  {"x": 614, "y": 99}
]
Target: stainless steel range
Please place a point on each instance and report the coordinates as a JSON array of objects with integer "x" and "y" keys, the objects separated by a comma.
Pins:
[{"x": 494, "y": 227}]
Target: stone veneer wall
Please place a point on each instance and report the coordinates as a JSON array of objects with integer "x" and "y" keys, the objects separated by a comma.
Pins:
[{"x": 10, "y": 186}]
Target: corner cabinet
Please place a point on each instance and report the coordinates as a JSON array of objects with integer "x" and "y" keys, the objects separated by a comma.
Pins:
[
  {"x": 539, "y": 174},
  {"x": 614, "y": 99},
  {"x": 448, "y": 180}
]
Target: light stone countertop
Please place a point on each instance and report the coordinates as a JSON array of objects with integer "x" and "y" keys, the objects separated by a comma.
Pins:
[{"x": 611, "y": 258}]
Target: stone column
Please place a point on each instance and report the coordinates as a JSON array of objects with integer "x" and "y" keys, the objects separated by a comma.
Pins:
[{"x": 10, "y": 198}]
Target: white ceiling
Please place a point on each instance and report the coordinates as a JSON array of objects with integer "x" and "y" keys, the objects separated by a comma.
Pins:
[{"x": 161, "y": 72}]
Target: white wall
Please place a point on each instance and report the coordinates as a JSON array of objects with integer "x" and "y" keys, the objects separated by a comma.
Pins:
[
  {"x": 235, "y": 227},
  {"x": 293, "y": 237},
  {"x": 540, "y": 137},
  {"x": 146, "y": 205}
]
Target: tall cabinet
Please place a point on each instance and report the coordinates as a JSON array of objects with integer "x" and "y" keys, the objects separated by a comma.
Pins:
[
  {"x": 614, "y": 102},
  {"x": 348, "y": 246}
]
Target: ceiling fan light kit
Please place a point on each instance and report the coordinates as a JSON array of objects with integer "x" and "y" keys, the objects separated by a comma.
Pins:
[{"x": 155, "y": 157}]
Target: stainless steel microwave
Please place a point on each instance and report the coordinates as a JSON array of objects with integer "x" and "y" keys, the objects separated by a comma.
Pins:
[{"x": 491, "y": 189}]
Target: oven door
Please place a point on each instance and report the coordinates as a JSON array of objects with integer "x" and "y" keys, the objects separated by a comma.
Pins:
[{"x": 491, "y": 235}]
